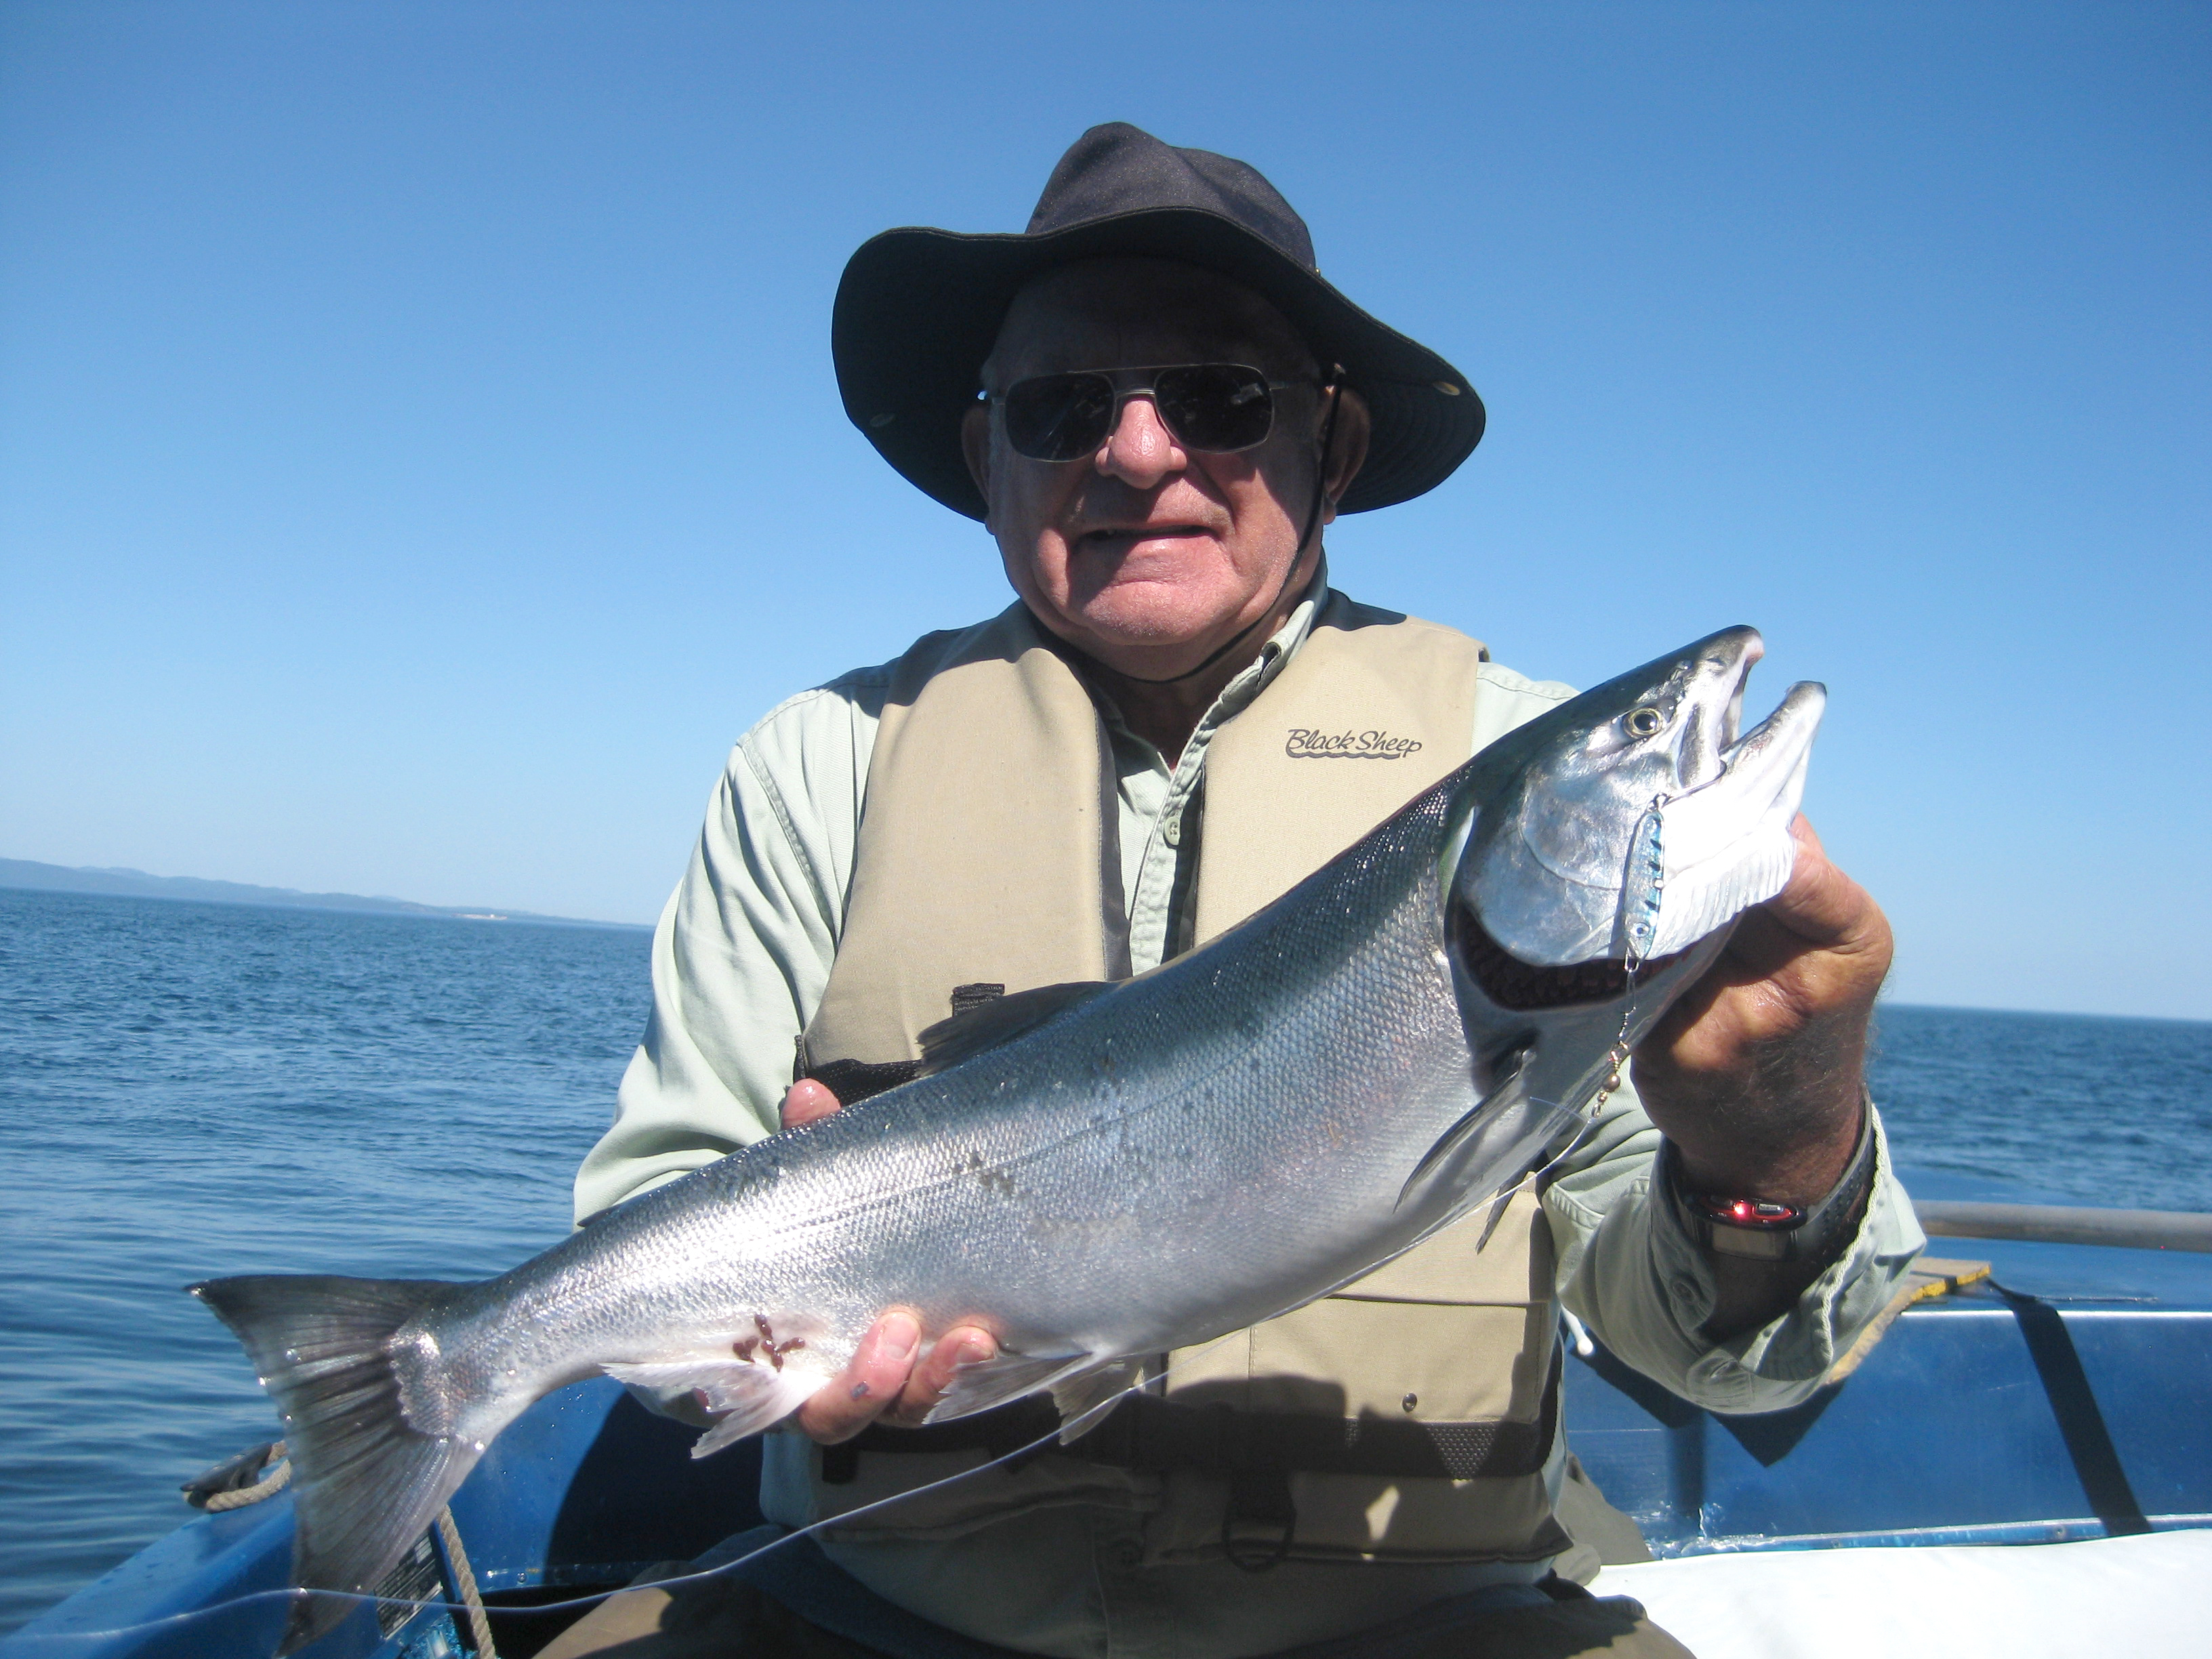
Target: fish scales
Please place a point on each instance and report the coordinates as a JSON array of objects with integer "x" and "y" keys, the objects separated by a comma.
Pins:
[{"x": 1008, "y": 1171}]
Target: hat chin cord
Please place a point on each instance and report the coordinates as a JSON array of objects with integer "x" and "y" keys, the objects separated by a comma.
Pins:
[{"x": 1305, "y": 535}]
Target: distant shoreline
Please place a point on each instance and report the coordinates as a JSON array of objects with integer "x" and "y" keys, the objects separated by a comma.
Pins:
[{"x": 28, "y": 875}]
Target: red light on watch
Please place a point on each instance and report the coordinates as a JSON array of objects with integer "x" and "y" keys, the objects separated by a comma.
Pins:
[{"x": 1749, "y": 1212}]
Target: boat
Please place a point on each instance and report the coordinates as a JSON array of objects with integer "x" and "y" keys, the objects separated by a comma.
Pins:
[{"x": 2029, "y": 1439}]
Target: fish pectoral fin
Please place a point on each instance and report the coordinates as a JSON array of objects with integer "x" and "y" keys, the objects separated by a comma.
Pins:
[
  {"x": 978, "y": 1386},
  {"x": 1485, "y": 1153},
  {"x": 1085, "y": 1397},
  {"x": 1446, "y": 1157},
  {"x": 748, "y": 1395},
  {"x": 1002, "y": 1020}
]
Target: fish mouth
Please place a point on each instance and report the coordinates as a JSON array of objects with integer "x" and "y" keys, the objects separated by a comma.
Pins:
[
  {"x": 1712, "y": 706},
  {"x": 1715, "y": 748},
  {"x": 1748, "y": 771},
  {"x": 1525, "y": 987},
  {"x": 1727, "y": 841}
]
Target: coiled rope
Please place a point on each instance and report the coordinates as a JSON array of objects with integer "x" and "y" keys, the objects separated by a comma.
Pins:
[{"x": 278, "y": 1476}]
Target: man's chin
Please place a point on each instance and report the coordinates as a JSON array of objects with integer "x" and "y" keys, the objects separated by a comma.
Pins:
[{"x": 1150, "y": 639}]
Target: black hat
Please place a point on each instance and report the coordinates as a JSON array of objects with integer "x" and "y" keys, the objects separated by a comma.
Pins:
[{"x": 918, "y": 311}]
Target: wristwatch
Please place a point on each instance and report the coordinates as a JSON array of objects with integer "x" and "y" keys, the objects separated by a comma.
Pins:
[{"x": 1766, "y": 1231}]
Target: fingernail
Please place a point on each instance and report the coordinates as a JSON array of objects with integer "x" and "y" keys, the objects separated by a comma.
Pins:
[{"x": 900, "y": 1338}]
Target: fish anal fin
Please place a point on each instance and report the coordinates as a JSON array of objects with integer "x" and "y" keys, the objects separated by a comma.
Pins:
[
  {"x": 978, "y": 1386},
  {"x": 1000, "y": 1020},
  {"x": 1085, "y": 1396},
  {"x": 747, "y": 1396}
]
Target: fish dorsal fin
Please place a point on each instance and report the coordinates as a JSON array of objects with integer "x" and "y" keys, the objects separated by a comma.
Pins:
[{"x": 1000, "y": 1020}]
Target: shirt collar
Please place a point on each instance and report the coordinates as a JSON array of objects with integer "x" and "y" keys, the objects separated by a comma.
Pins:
[
  {"x": 1274, "y": 656},
  {"x": 1250, "y": 681}
]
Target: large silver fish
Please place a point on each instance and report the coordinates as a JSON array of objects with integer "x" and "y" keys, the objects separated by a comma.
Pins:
[{"x": 1102, "y": 1173}]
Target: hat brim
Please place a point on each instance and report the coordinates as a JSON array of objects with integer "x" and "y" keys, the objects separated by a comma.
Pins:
[{"x": 919, "y": 309}]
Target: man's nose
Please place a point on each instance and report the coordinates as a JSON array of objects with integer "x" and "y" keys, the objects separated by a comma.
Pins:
[{"x": 1139, "y": 450}]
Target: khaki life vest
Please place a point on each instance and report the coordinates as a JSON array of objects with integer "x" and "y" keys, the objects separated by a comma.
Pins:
[{"x": 1409, "y": 1416}]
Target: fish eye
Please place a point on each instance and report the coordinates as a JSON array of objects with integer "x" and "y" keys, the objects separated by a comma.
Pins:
[{"x": 1643, "y": 722}]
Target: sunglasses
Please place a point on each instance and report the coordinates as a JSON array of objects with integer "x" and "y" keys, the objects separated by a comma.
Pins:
[{"x": 1215, "y": 407}]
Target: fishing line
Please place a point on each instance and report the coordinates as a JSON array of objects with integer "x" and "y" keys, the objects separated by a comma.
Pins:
[{"x": 177, "y": 1620}]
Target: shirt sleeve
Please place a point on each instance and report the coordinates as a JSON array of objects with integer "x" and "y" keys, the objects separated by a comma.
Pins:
[
  {"x": 1628, "y": 1269},
  {"x": 743, "y": 945}
]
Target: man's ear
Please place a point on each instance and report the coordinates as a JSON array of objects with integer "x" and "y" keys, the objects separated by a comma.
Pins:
[
  {"x": 975, "y": 444},
  {"x": 1348, "y": 444}
]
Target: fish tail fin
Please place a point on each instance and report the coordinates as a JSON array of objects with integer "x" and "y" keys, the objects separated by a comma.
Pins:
[{"x": 366, "y": 1480}]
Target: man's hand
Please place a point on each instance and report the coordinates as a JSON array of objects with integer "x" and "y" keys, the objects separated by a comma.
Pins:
[
  {"x": 883, "y": 1382},
  {"x": 1757, "y": 1072}
]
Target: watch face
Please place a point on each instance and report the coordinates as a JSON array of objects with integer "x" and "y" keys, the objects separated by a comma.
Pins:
[{"x": 1750, "y": 1213}]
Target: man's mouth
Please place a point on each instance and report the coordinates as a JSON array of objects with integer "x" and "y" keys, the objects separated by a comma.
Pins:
[{"x": 1124, "y": 536}]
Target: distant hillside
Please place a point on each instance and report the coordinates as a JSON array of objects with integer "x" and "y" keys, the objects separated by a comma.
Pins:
[{"x": 137, "y": 884}]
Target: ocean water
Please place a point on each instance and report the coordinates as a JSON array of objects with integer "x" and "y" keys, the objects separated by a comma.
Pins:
[{"x": 190, "y": 1090}]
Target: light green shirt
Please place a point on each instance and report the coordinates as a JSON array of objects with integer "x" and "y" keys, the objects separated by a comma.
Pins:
[{"x": 740, "y": 959}]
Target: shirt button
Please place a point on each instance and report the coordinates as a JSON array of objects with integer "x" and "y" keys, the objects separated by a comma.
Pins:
[{"x": 1171, "y": 829}]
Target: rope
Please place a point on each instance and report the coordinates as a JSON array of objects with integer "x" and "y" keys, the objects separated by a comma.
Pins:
[
  {"x": 1928, "y": 1280},
  {"x": 465, "y": 1581},
  {"x": 278, "y": 1478}
]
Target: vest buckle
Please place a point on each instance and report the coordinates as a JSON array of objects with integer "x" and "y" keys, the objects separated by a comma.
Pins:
[{"x": 1259, "y": 1504}]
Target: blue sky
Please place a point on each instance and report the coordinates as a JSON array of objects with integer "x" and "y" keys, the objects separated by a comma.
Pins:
[{"x": 419, "y": 458}]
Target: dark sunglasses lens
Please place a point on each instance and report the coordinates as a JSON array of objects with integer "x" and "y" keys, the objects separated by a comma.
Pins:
[
  {"x": 1215, "y": 405},
  {"x": 1057, "y": 417}
]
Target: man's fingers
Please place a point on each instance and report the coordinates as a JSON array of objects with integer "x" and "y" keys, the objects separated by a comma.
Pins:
[
  {"x": 848, "y": 1403},
  {"x": 963, "y": 1345},
  {"x": 884, "y": 1380},
  {"x": 807, "y": 1101}
]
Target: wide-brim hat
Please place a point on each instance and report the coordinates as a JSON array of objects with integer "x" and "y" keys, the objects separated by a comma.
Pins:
[{"x": 919, "y": 309}]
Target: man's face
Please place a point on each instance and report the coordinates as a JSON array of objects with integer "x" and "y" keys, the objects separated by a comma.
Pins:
[{"x": 1145, "y": 554}]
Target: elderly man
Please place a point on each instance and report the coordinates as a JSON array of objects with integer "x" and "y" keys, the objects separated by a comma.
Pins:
[{"x": 1156, "y": 404}]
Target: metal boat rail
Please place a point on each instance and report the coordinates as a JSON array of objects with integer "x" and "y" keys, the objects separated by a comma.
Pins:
[{"x": 2066, "y": 1223}]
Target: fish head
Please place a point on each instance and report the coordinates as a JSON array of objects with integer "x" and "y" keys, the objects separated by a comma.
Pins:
[{"x": 1638, "y": 817}]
